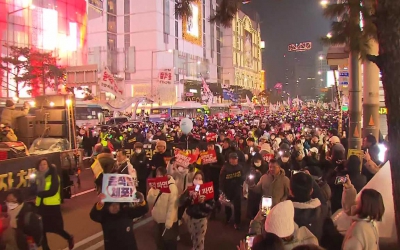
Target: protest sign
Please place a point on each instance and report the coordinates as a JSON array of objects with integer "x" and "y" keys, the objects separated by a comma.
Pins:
[
  {"x": 208, "y": 157},
  {"x": 96, "y": 168},
  {"x": 119, "y": 188},
  {"x": 268, "y": 157},
  {"x": 182, "y": 159},
  {"x": 160, "y": 183},
  {"x": 206, "y": 190}
]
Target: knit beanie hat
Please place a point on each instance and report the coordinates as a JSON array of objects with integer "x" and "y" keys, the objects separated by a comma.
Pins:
[{"x": 280, "y": 220}]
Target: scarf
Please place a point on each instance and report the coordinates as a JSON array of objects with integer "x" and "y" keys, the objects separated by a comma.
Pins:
[
  {"x": 13, "y": 215},
  {"x": 41, "y": 180}
]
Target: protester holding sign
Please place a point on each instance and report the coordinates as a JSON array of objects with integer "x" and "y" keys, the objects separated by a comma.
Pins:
[
  {"x": 116, "y": 221},
  {"x": 165, "y": 212},
  {"x": 199, "y": 203}
]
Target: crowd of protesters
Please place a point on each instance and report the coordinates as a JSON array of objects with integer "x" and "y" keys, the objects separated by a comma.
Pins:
[{"x": 295, "y": 157}]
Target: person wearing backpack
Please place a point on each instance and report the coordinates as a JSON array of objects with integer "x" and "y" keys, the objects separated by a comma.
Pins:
[{"x": 25, "y": 230}]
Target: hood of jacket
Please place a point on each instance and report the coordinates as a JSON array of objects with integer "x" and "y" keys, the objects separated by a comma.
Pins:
[{"x": 311, "y": 215}]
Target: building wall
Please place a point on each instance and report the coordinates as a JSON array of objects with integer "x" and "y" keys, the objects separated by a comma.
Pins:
[
  {"x": 48, "y": 25},
  {"x": 155, "y": 33},
  {"x": 241, "y": 54}
]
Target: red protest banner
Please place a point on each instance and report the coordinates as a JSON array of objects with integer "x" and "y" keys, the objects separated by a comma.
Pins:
[
  {"x": 160, "y": 183},
  {"x": 268, "y": 157},
  {"x": 208, "y": 157},
  {"x": 182, "y": 160},
  {"x": 206, "y": 190}
]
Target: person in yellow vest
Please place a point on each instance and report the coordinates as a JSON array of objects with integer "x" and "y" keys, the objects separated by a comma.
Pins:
[{"x": 48, "y": 201}]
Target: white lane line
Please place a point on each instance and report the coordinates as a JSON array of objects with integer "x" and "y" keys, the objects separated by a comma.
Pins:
[
  {"x": 96, "y": 246},
  {"x": 99, "y": 234},
  {"x": 82, "y": 193}
]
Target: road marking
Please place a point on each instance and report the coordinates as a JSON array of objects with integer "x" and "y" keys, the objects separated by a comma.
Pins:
[
  {"x": 82, "y": 193},
  {"x": 99, "y": 234}
]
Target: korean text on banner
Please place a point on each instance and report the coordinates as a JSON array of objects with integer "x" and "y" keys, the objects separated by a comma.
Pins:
[
  {"x": 208, "y": 157},
  {"x": 268, "y": 157},
  {"x": 165, "y": 76},
  {"x": 119, "y": 188},
  {"x": 160, "y": 183},
  {"x": 108, "y": 84},
  {"x": 182, "y": 160},
  {"x": 206, "y": 190}
]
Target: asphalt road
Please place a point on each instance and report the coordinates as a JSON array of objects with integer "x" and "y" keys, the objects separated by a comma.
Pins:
[{"x": 88, "y": 234}]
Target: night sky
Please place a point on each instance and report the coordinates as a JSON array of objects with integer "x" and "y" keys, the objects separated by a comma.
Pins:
[{"x": 284, "y": 22}]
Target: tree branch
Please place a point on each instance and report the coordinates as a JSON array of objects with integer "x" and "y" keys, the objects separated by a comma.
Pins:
[{"x": 375, "y": 59}]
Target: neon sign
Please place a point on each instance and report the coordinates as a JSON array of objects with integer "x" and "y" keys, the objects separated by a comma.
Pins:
[{"x": 299, "y": 47}]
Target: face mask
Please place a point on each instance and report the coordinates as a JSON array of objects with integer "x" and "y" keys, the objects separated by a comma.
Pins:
[
  {"x": 257, "y": 164},
  {"x": 11, "y": 205},
  {"x": 197, "y": 182},
  {"x": 138, "y": 151},
  {"x": 285, "y": 159}
]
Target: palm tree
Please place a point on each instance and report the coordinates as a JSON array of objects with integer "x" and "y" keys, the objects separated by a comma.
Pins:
[
  {"x": 224, "y": 14},
  {"x": 381, "y": 22}
]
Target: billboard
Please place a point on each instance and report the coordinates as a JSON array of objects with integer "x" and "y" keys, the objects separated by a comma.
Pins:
[
  {"x": 192, "y": 26},
  {"x": 248, "y": 49}
]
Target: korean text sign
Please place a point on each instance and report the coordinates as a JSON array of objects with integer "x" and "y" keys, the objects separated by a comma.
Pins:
[
  {"x": 160, "y": 183},
  {"x": 182, "y": 160},
  {"x": 206, "y": 190},
  {"x": 208, "y": 157},
  {"x": 119, "y": 188}
]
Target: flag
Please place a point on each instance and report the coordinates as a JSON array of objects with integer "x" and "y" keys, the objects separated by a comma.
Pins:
[
  {"x": 108, "y": 84},
  {"x": 251, "y": 105},
  {"x": 207, "y": 94}
]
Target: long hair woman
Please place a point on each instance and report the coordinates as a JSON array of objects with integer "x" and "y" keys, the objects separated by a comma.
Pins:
[
  {"x": 48, "y": 201},
  {"x": 197, "y": 213},
  {"x": 368, "y": 209}
]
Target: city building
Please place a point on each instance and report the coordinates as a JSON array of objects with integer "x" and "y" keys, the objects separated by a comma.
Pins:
[
  {"x": 323, "y": 75},
  {"x": 241, "y": 55},
  {"x": 56, "y": 26},
  {"x": 151, "y": 51}
]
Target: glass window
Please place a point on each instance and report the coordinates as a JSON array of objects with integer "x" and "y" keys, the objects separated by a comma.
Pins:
[
  {"x": 112, "y": 23},
  {"x": 127, "y": 7},
  {"x": 112, "y": 6}
]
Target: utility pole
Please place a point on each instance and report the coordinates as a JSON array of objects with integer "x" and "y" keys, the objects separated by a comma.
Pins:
[
  {"x": 371, "y": 93},
  {"x": 354, "y": 86}
]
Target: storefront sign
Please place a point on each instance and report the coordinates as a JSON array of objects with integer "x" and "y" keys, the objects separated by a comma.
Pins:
[{"x": 165, "y": 76}]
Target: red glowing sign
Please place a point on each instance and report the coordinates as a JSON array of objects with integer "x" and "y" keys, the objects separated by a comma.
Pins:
[{"x": 299, "y": 47}]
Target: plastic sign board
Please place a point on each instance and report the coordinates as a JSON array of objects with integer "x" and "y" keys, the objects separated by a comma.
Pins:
[{"x": 344, "y": 77}]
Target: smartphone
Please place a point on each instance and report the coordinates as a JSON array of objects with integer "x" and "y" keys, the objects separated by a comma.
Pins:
[
  {"x": 251, "y": 176},
  {"x": 266, "y": 205},
  {"x": 249, "y": 241},
  {"x": 197, "y": 189},
  {"x": 340, "y": 180}
]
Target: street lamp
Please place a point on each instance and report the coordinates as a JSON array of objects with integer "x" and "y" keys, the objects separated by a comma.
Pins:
[
  {"x": 321, "y": 58},
  {"x": 329, "y": 35},
  {"x": 319, "y": 72},
  {"x": 7, "y": 37},
  {"x": 152, "y": 69},
  {"x": 324, "y": 3}
]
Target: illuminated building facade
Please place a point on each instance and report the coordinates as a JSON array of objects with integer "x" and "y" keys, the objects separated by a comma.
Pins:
[
  {"x": 241, "y": 51},
  {"x": 57, "y": 26},
  {"x": 142, "y": 41}
]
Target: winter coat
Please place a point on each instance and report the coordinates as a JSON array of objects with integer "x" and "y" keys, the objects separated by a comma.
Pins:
[
  {"x": 230, "y": 181},
  {"x": 166, "y": 208},
  {"x": 158, "y": 161},
  {"x": 196, "y": 211},
  {"x": 363, "y": 234},
  {"x": 106, "y": 161},
  {"x": 140, "y": 163},
  {"x": 254, "y": 198},
  {"x": 9, "y": 116},
  {"x": 275, "y": 186},
  {"x": 301, "y": 236},
  {"x": 118, "y": 228},
  {"x": 287, "y": 166},
  {"x": 310, "y": 214}
]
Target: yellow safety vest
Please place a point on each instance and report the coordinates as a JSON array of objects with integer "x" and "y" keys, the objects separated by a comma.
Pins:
[
  {"x": 103, "y": 141},
  {"x": 53, "y": 200}
]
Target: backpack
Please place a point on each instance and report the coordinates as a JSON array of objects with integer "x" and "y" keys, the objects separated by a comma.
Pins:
[{"x": 33, "y": 226}]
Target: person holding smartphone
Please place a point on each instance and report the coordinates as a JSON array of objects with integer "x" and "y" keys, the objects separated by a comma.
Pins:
[
  {"x": 197, "y": 213},
  {"x": 257, "y": 169}
]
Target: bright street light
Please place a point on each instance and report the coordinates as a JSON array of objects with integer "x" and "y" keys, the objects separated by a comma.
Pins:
[
  {"x": 329, "y": 35},
  {"x": 324, "y": 3},
  {"x": 321, "y": 58},
  {"x": 319, "y": 73}
]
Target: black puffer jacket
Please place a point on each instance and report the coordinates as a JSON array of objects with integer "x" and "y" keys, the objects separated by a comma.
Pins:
[
  {"x": 310, "y": 214},
  {"x": 196, "y": 211}
]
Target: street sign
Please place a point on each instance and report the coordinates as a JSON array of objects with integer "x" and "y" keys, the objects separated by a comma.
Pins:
[{"x": 344, "y": 77}]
